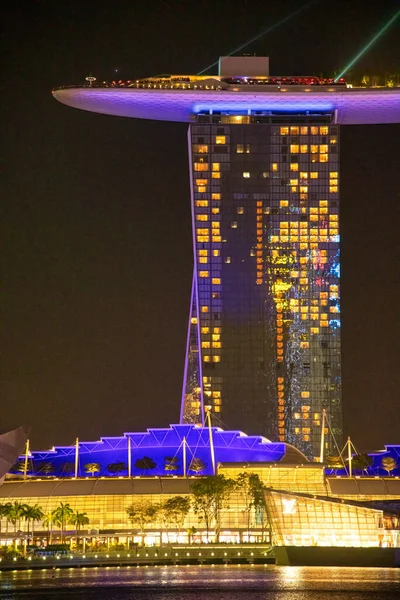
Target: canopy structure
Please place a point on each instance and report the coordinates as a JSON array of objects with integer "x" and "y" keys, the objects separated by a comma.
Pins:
[{"x": 349, "y": 106}]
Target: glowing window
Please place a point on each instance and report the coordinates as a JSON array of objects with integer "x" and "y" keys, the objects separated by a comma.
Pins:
[
  {"x": 216, "y": 175},
  {"x": 216, "y": 359},
  {"x": 206, "y": 358},
  {"x": 204, "y": 274},
  {"x": 216, "y": 252},
  {"x": 246, "y": 175},
  {"x": 204, "y": 309},
  {"x": 203, "y": 252},
  {"x": 314, "y": 130},
  {"x": 201, "y": 203},
  {"x": 202, "y": 217},
  {"x": 303, "y": 148},
  {"x": 205, "y": 344},
  {"x": 216, "y": 196},
  {"x": 240, "y": 210},
  {"x": 201, "y": 181},
  {"x": 202, "y": 231},
  {"x": 294, "y": 148},
  {"x": 305, "y": 395},
  {"x": 240, "y": 148},
  {"x": 200, "y": 148},
  {"x": 193, "y": 321},
  {"x": 284, "y": 130},
  {"x": 323, "y": 130},
  {"x": 205, "y": 330},
  {"x": 323, "y": 158},
  {"x": 314, "y": 175},
  {"x": 216, "y": 281},
  {"x": 203, "y": 260},
  {"x": 200, "y": 166},
  {"x": 216, "y": 344},
  {"x": 234, "y": 224},
  {"x": 296, "y": 415},
  {"x": 220, "y": 139},
  {"x": 202, "y": 189},
  {"x": 303, "y": 130},
  {"x": 215, "y": 211},
  {"x": 294, "y": 166},
  {"x": 215, "y": 166},
  {"x": 314, "y": 149},
  {"x": 333, "y": 175},
  {"x": 323, "y": 148},
  {"x": 284, "y": 203},
  {"x": 274, "y": 166},
  {"x": 294, "y": 131}
]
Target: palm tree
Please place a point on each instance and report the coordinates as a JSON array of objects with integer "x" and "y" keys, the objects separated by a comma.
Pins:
[
  {"x": 33, "y": 513},
  {"x": 92, "y": 468},
  {"x": 79, "y": 520},
  {"x": 62, "y": 516},
  {"x": 4, "y": 510},
  {"x": 16, "y": 513},
  {"x": 48, "y": 522}
]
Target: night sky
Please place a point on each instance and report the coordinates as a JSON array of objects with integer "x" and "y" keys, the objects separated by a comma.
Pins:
[{"x": 96, "y": 244}]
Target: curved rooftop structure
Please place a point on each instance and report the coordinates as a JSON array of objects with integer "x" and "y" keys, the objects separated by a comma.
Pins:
[
  {"x": 169, "y": 450},
  {"x": 178, "y": 98}
]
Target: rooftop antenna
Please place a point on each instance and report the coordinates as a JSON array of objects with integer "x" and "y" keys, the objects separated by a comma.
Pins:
[{"x": 129, "y": 457}]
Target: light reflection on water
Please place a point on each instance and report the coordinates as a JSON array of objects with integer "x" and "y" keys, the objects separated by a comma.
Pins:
[{"x": 208, "y": 582}]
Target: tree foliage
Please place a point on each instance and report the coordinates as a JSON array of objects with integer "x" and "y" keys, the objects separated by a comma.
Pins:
[
  {"x": 211, "y": 496},
  {"x": 361, "y": 462},
  {"x": 176, "y": 510},
  {"x": 171, "y": 463},
  {"x": 389, "y": 464},
  {"x": 118, "y": 467},
  {"x": 92, "y": 468},
  {"x": 145, "y": 464},
  {"x": 197, "y": 466}
]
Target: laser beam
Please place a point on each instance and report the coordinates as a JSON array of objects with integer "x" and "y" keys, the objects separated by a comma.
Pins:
[
  {"x": 257, "y": 37},
  {"x": 368, "y": 46}
]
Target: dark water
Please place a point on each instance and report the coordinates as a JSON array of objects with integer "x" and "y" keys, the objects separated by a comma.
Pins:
[{"x": 206, "y": 583}]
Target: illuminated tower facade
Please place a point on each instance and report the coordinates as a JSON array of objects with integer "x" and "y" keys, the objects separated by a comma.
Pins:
[
  {"x": 263, "y": 348},
  {"x": 263, "y": 344}
]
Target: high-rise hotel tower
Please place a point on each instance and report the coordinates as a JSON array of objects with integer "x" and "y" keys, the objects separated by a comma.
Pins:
[{"x": 263, "y": 346}]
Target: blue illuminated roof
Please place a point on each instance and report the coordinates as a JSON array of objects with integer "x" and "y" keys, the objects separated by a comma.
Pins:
[{"x": 159, "y": 445}]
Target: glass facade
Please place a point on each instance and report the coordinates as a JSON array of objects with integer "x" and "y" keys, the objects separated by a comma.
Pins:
[{"x": 265, "y": 207}]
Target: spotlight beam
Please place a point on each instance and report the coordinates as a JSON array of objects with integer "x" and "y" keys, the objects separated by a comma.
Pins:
[
  {"x": 368, "y": 46},
  {"x": 293, "y": 14}
]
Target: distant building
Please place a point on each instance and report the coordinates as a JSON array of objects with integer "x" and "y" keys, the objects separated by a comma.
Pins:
[{"x": 263, "y": 347}]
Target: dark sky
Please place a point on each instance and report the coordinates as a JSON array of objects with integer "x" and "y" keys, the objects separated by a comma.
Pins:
[{"x": 96, "y": 241}]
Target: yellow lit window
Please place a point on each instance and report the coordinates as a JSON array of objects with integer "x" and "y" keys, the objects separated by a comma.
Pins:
[
  {"x": 215, "y": 337},
  {"x": 193, "y": 321},
  {"x": 202, "y": 189},
  {"x": 203, "y": 252},
  {"x": 303, "y": 175},
  {"x": 323, "y": 202},
  {"x": 303, "y": 130},
  {"x": 205, "y": 330},
  {"x": 217, "y": 329},
  {"x": 240, "y": 148},
  {"x": 215, "y": 166},
  {"x": 294, "y": 131},
  {"x": 215, "y": 225},
  {"x": 215, "y": 211},
  {"x": 305, "y": 395},
  {"x": 303, "y": 148},
  {"x": 216, "y": 359},
  {"x": 323, "y": 130},
  {"x": 314, "y": 174},
  {"x": 216, "y": 344},
  {"x": 205, "y": 344},
  {"x": 204, "y": 274},
  {"x": 203, "y": 239},
  {"x": 294, "y": 182},
  {"x": 206, "y": 358},
  {"x": 201, "y": 203},
  {"x": 296, "y": 415},
  {"x": 284, "y": 130},
  {"x": 240, "y": 210},
  {"x": 202, "y": 217},
  {"x": 201, "y": 181},
  {"x": 297, "y": 430},
  {"x": 216, "y": 252},
  {"x": 216, "y": 281},
  {"x": 284, "y": 203},
  {"x": 333, "y": 189},
  {"x": 323, "y": 158},
  {"x": 204, "y": 309},
  {"x": 294, "y": 148},
  {"x": 274, "y": 166},
  {"x": 220, "y": 139},
  {"x": 314, "y": 130},
  {"x": 200, "y": 166},
  {"x": 314, "y": 149},
  {"x": 314, "y": 329},
  {"x": 216, "y": 196},
  {"x": 333, "y": 175},
  {"x": 294, "y": 166},
  {"x": 202, "y": 231},
  {"x": 216, "y": 175},
  {"x": 323, "y": 148},
  {"x": 246, "y": 175},
  {"x": 200, "y": 148},
  {"x": 203, "y": 260}
]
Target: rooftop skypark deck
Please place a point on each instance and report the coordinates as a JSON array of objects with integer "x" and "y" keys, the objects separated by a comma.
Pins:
[{"x": 182, "y": 97}]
